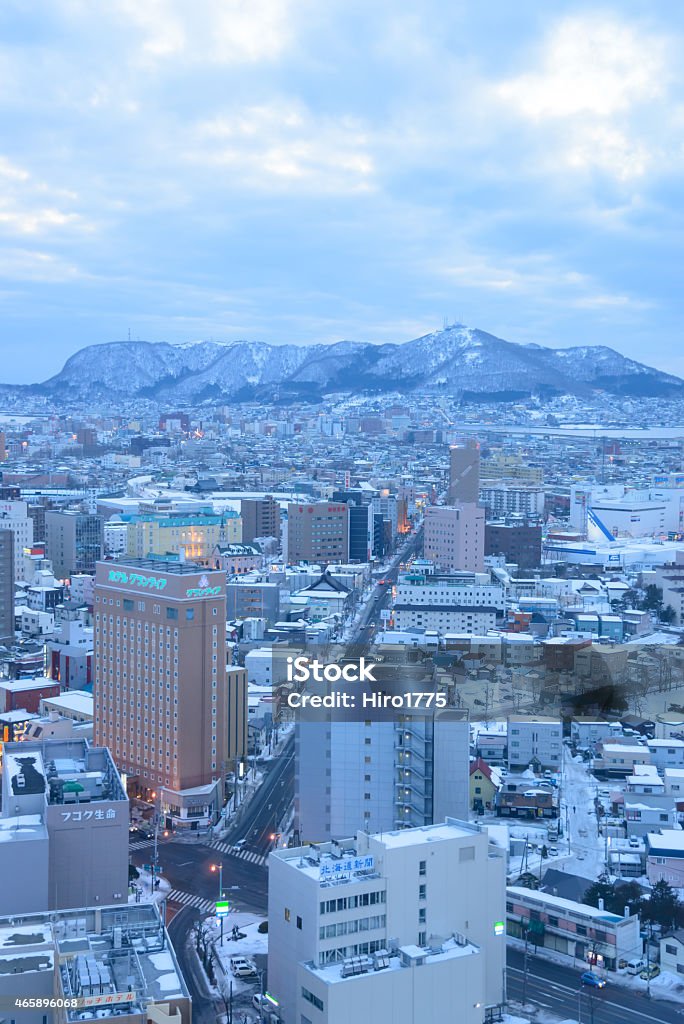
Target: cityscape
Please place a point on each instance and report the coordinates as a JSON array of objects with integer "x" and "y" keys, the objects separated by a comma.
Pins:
[{"x": 341, "y": 514}]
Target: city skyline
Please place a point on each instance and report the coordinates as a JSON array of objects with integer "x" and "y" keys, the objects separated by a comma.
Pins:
[{"x": 292, "y": 175}]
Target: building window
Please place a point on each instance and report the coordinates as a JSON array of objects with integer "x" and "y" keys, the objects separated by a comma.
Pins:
[
  {"x": 422, "y": 867},
  {"x": 189, "y": 614},
  {"x": 171, "y": 613},
  {"x": 299, "y": 923},
  {"x": 287, "y": 913}
]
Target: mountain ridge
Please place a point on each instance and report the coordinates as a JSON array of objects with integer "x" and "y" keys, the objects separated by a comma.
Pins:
[{"x": 457, "y": 359}]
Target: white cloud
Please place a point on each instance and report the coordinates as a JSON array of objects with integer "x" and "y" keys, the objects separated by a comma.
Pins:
[
  {"x": 283, "y": 144},
  {"x": 592, "y": 65},
  {"x": 210, "y": 31},
  {"x": 29, "y": 206}
]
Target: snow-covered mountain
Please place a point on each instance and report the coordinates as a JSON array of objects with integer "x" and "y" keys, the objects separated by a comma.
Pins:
[{"x": 458, "y": 359}]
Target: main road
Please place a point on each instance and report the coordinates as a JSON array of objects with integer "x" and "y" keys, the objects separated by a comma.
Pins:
[{"x": 557, "y": 989}]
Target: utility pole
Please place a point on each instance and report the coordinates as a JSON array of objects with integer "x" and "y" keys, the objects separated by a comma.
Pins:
[
  {"x": 524, "y": 999},
  {"x": 219, "y": 867}
]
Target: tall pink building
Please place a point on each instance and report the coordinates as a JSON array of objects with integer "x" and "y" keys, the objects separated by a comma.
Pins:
[{"x": 454, "y": 536}]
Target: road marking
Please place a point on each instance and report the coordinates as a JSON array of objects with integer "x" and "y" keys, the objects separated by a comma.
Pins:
[
  {"x": 240, "y": 852},
  {"x": 188, "y": 899}
]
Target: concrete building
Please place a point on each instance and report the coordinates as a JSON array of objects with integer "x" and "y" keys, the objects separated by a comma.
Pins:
[
  {"x": 260, "y": 518},
  {"x": 236, "y": 714},
  {"x": 534, "y": 739},
  {"x": 361, "y": 523},
  {"x": 254, "y": 597},
  {"x": 236, "y": 559},
  {"x": 15, "y": 518},
  {"x": 318, "y": 532},
  {"x": 160, "y": 677},
  {"x": 670, "y": 578},
  {"x": 69, "y": 653},
  {"x": 403, "y": 926},
  {"x": 666, "y": 753},
  {"x": 380, "y": 774},
  {"x": 77, "y": 705},
  {"x": 518, "y": 542},
  {"x": 464, "y": 473},
  {"x": 6, "y": 587},
  {"x": 504, "y": 499},
  {"x": 117, "y": 961},
  {"x": 665, "y": 857},
  {"x": 454, "y": 537},
  {"x": 454, "y": 603},
  {"x": 64, "y": 827},
  {"x": 74, "y": 541},
  {"x": 26, "y": 692},
  {"x": 574, "y": 930}
]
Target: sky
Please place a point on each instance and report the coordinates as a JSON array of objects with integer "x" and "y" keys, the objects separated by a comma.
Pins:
[{"x": 298, "y": 171}]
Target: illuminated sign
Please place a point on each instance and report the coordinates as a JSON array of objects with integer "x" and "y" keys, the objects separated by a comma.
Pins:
[
  {"x": 203, "y": 592},
  {"x": 134, "y": 579},
  {"x": 344, "y": 867},
  {"x": 107, "y": 1000},
  {"x": 222, "y": 908},
  {"x": 499, "y": 927}
]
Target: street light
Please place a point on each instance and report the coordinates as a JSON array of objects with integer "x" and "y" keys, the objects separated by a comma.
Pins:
[{"x": 219, "y": 867}]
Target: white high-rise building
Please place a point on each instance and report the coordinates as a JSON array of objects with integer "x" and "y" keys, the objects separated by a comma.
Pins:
[
  {"x": 380, "y": 775},
  {"x": 14, "y": 516},
  {"x": 402, "y": 927},
  {"x": 459, "y": 602}
]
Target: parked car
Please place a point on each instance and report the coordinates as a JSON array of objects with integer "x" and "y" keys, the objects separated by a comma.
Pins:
[
  {"x": 583, "y": 832},
  {"x": 633, "y": 842},
  {"x": 635, "y": 966},
  {"x": 260, "y": 1002},
  {"x": 553, "y": 851},
  {"x": 651, "y": 972},
  {"x": 592, "y": 980},
  {"x": 242, "y": 968}
]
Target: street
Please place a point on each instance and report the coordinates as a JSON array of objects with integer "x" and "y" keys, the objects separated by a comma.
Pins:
[{"x": 557, "y": 988}]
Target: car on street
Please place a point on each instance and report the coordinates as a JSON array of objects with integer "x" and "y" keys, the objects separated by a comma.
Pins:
[
  {"x": 553, "y": 851},
  {"x": 240, "y": 843},
  {"x": 592, "y": 980},
  {"x": 651, "y": 972}
]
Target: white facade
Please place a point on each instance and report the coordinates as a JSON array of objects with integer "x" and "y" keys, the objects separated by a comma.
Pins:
[
  {"x": 587, "y": 731},
  {"x": 534, "y": 738},
  {"x": 430, "y": 897},
  {"x": 380, "y": 774},
  {"x": 666, "y": 753},
  {"x": 466, "y": 602},
  {"x": 503, "y": 500},
  {"x": 14, "y": 516}
]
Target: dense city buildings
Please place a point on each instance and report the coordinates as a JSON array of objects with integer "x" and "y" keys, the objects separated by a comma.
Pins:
[
  {"x": 160, "y": 680},
  {"x": 14, "y": 517}
]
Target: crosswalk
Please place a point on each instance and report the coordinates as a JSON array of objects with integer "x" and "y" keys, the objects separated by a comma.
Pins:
[
  {"x": 239, "y": 851},
  {"x": 187, "y": 899},
  {"x": 141, "y": 844}
]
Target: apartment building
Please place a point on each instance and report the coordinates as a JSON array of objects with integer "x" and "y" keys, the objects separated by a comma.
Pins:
[
  {"x": 404, "y": 926},
  {"x": 506, "y": 499},
  {"x": 6, "y": 587},
  {"x": 453, "y": 537},
  {"x": 534, "y": 740},
  {"x": 380, "y": 774},
  {"x": 15, "y": 518},
  {"x": 160, "y": 680},
  {"x": 260, "y": 518}
]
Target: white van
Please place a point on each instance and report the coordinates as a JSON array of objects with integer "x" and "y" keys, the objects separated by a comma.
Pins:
[{"x": 635, "y": 966}]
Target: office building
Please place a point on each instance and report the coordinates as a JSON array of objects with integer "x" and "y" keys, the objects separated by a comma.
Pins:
[
  {"x": 69, "y": 653},
  {"x": 538, "y": 740},
  {"x": 454, "y": 537},
  {"x": 457, "y": 603},
  {"x": 380, "y": 774},
  {"x": 118, "y": 962},
  {"x": 64, "y": 827},
  {"x": 518, "y": 542},
  {"x": 318, "y": 532},
  {"x": 260, "y": 518},
  {"x": 253, "y": 598},
  {"x": 360, "y": 532},
  {"x": 15, "y": 518},
  {"x": 464, "y": 473},
  {"x": 74, "y": 541},
  {"x": 160, "y": 681},
  {"x": 6, "y": 587},
  {"x": 406, "y": 926}
]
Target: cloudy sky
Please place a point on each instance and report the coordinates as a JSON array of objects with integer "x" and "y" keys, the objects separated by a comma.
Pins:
[{"x": 300, "y": 171}]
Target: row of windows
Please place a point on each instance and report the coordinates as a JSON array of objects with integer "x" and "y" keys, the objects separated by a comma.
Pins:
[
  {"x": 366, "y": 899},
  {"x": 363, "y": 924}
]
